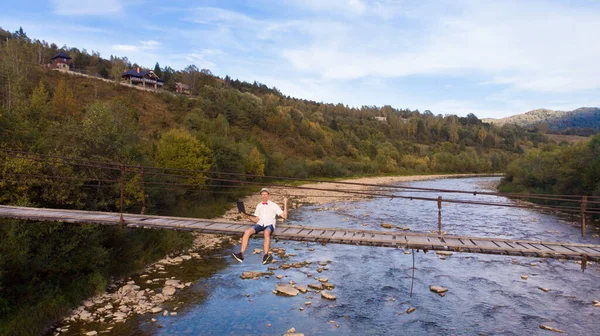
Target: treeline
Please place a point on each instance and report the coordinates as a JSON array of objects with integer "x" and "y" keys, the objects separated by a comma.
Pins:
[
  {"x": 552, "y": 169},
  {"x": 229, "y": 126}
]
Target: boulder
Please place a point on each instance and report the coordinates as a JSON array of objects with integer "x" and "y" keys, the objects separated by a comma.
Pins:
[
  {"x": 287, "y": 290},
  {"x": 169, "y": 291},
  {"x": 438, "y": 289},
  {"x": 410, "y": 310},
  {"x": 327, "y": 295},
  {"x": 387, "y": 226},
  {"x": 302, "y": 289},
  {"x": 524, "y": 277},
  {"x": 316, "y": 286},
  {"x": 156, "y": 310},
  {"x": 328, "y": 286}
]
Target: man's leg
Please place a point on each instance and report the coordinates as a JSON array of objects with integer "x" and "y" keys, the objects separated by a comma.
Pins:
[
  {"x": 267, "y": 242},
  {"x": 267, "y": 245},
  {"x": 249, "y": 232}
]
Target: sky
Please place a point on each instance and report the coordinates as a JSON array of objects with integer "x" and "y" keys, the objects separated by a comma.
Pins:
[{"x": 490, "y": 58}]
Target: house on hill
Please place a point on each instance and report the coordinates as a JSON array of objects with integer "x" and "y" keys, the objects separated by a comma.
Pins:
[
  {"x": 183, "y": 88},
  {"x": 143, "y": 78},
  {"x": 60, "y": 61}
]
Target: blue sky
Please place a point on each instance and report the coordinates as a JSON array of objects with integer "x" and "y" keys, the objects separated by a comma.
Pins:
[{"x": 491, "y": 58}]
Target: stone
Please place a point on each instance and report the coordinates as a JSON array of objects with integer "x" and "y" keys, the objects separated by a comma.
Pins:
[
  {"x": 387, "y": 226},
  {"x": 407, "y": 252},
  {"x": 274, "y": 291},
  {"x": 596, "y": 305},
  {"x": 292, "y": 330},
  {"x": 91, "y": 333},
  {"x": 173, "y": 283},
  {"x": 545, "y": 327},
  {"x": 169, "y": 291},
  {"x": 156, "y": 310},
  {"x": 438, "y": 289},
  {"x": 286, "y": 290},
  {"x": 186, "y": 257},
  {"x": 165, "y": 313},
  {"x": 307, "y": 303},
  {"x": 328, "y": 286},
  {"x": 257, "y": 251},
  {"x": 173, "y": 313},
  {"x": 301, "y": 308},
  {"x": 524, "y": 277},
  {"x": 88, "y": 303},
  {"x": 319, "y": 270},
  {"x": 302, "y": 289},
  {"x": 323, "y": 279},
  {"x": 316, "y": 286},
  {"x": 410, "y": 310},
  {"x": 595, "y": 301},
  {"x": 443, "y": 253},
  {"x": 544, "y": 289},
  {"x": 279, "y": 276},
  {"x": 327, "y": 295}
]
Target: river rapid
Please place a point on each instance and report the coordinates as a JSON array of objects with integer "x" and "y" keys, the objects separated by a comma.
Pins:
[{"x": 486, "y": 294}]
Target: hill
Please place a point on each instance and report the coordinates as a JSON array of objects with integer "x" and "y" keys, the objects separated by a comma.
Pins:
[{"x": 567, "y": 122}]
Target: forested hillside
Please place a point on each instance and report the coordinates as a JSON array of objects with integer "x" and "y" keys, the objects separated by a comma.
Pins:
[
  {"x": 583, "y": 121},
  {"x": 225, "y": 126}
]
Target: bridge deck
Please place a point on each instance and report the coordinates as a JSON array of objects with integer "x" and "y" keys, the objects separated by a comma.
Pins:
[{"x": 397, "y": 239}]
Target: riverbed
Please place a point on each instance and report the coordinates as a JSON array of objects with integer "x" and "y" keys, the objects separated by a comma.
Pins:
[{"x": 486, "y": 293}]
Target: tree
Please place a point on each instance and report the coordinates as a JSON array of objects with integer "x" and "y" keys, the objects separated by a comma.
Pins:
[
  {"x": 38, "y": 102},
  {"x": 180, "y": 150},
  {"x": 117, "y": 69},
  {"x": 63, "y": 102},
  {"x": 255, "y": 164},
  {"x": 158, "y": 70},
  {"x": 481, "y": 135}
]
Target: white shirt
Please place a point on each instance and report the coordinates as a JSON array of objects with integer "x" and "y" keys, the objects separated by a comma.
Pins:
[{"x": 267, "y": 212}]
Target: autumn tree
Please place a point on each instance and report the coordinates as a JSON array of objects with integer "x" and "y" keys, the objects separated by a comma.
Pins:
[{"x": 63, "y": 103}]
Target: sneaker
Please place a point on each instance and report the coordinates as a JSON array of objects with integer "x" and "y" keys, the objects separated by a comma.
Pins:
[
  {"x": 267, "y": 259},
  {"x": 238, "y": 256}
]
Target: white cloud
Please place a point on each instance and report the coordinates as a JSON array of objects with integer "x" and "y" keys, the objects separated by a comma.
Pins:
[
  {"x": 150, "y": 44},
  {"x": 86, "y": 7},
  {"x": 125, "y": 47},
  {"x": 532, "y": 46}
]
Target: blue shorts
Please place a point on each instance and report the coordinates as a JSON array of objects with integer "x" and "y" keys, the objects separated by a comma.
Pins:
[{"x": 259, "y": 228}]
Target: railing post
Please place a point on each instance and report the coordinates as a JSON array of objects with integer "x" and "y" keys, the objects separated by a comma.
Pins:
[
  {"x": 122, "y": 183},
  {"x": 439, "y": 201},
  {"x": 583, "y": 208},
  {"x": 143, "y": 193}
]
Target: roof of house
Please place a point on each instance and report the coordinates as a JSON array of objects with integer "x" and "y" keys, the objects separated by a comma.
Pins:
[
  {"x": 140, "y": 74},
  {"x": 61, "y": 55}
]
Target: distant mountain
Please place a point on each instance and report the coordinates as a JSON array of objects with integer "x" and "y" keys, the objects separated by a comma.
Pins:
[{"x": 584, "y": 117}]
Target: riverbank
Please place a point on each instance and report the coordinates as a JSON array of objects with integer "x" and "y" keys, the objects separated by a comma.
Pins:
[
  {"x": 321, "y": 193},
  {"x": 148, "y": 291}
]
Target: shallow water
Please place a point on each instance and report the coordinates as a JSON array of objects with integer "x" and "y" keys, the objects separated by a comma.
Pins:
[{"x": 486, "y": 293}]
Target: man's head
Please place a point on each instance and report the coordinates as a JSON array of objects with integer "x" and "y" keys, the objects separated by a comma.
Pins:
[{"x": 264, "y": 194}]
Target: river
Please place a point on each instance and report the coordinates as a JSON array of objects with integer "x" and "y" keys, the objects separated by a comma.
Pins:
[{"x": 486, "y": 294}]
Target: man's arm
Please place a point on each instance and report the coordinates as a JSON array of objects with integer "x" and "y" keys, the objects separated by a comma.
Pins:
[
  {"x": 255, "y": 219},
  {"x": 284, "y": 213}
]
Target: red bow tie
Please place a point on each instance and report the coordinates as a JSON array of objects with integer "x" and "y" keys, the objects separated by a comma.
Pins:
[{"x": 265, "y": 203}]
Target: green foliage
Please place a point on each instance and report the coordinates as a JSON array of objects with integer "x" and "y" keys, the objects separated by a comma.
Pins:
[
  {"x": 178, "y": 149},
  {"x": 565, "y": 170}
]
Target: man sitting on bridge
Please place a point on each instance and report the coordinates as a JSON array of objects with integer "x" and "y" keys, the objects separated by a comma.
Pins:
[{"x": 264, "y": 217}]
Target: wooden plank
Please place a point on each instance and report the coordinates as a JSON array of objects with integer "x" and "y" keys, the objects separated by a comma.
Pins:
[{"x": 485, "y": 244}]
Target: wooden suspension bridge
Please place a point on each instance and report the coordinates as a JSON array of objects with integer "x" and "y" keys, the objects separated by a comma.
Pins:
[{"x": 394, "y": 239}]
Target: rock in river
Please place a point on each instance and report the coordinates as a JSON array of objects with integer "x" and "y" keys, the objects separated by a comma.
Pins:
[
  {"x": 327, "y": 296},
  {"x": 287, "y": 290},
  {"x": 545, "y": 327},
  {"x": 438, "y": 289}
]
